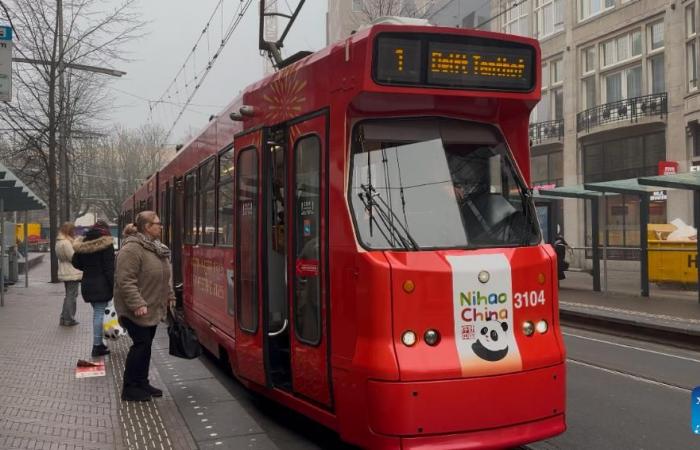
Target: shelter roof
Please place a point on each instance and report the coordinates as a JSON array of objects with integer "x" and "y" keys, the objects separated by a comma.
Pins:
[{"x": 15, "y": 194}]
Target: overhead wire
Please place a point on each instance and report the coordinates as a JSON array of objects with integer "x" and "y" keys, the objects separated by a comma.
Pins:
[{"x": 243, "y": 7}]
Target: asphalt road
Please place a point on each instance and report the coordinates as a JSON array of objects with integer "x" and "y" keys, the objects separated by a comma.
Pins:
[
  {"x": 622, "y": 394},
  {"x": 626, "y": 394}
]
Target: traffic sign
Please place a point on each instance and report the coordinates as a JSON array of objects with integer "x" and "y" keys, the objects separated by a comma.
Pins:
[{"x": 5, "y": 63}]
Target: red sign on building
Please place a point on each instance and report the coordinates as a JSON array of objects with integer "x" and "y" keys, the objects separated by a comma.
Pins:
[{"x": 668, "y": 167}]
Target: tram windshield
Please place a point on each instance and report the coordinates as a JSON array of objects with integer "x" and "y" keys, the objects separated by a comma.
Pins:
[{"x": 437, "y": 183}]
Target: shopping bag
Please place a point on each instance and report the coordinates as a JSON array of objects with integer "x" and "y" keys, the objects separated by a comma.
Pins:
[
  {"x": 183, "y": 341},
  {"x": 110, "y": 323}
]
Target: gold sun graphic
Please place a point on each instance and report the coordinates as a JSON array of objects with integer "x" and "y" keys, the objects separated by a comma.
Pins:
[{"x": 285, "y": 97}]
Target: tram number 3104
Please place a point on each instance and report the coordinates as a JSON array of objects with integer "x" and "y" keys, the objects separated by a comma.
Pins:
[{"x": 528, "y": 299}]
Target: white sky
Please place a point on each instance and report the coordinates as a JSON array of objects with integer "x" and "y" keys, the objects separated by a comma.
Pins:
[{"x": 173, "y": 28}]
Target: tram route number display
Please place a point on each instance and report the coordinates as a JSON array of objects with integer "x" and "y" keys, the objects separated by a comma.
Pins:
[
  {"x": 465, "y": 63},
  {"x": 528, "y": 299}
]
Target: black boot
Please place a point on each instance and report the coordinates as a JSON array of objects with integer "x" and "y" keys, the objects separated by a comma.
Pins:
[
  {"x": 99, "y": 350},
  {"x": 154, "y": 391},
  {"x": 135, "y": 394}
]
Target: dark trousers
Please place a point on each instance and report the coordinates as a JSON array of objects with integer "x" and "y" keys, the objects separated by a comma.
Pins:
[{"x": 138, "y": 361}]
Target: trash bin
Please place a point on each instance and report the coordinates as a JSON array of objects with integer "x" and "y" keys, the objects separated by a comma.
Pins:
[{"x": 671, "y": 261}]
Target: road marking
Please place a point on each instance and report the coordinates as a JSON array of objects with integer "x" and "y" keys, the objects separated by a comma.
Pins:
[
  {"x": 628, "y": 375},
  {"x": 632, "y": 347}
]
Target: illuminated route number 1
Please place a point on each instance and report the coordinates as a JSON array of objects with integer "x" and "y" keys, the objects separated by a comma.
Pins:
[{"x": 399, "y": 59}]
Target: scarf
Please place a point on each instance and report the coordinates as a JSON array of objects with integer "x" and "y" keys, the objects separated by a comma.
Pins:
[{"x": 149, "y": 244}]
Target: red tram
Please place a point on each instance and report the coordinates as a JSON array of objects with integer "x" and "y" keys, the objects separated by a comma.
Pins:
[{"x": 355, "y": 236}]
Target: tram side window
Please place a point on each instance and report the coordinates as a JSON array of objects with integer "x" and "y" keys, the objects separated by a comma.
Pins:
[
  {"x": 190, "y": 208},
  {"x": 247, "y": 240},
  {"x": 307, "y": 280},
  {"x": 149, "y": 204},
  {"x": 207, "y": 199},
  {"x": 225, "y": 199}
]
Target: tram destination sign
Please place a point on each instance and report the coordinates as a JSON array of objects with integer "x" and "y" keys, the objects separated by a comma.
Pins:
[{"x": 457, "y": 62}]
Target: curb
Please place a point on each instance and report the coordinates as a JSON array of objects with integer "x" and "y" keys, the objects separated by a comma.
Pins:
[{"x": 685, "y": 337}]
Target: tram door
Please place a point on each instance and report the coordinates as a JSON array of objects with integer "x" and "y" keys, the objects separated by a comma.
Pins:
[
  {"x": 307, "y": 274},
  {"x": 250, "y": 329}
]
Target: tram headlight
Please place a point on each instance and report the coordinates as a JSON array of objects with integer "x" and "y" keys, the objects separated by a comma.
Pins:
[
  {"x": 431, "y": 337},
  {"x": 528, "y": 328},
  {"x": 409, "y": 338},
  {"x": 542, "y": 326}
]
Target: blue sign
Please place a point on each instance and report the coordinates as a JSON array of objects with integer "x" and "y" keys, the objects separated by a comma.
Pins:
[
  {"x": 5, "y": 33},
  {"x": 695, "y": 411}
]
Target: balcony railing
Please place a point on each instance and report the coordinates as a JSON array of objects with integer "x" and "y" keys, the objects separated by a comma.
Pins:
[
  {"x": 628, "y": 109},
  {"x": 543, "y": 131}
]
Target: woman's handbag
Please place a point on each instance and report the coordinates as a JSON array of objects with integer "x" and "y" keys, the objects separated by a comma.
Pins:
[
  {"x": 183, "y": 341},
  {"x": 110, "y": 323}
]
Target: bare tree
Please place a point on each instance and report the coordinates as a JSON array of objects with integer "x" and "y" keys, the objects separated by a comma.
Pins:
[
  {"x": 85, "y": 34},
  {"x": 118, "y": 164},
  {"x": 373, "y": 9}
]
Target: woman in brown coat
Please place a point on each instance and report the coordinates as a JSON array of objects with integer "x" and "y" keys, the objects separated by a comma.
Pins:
[{"x": 142, "y": 291}]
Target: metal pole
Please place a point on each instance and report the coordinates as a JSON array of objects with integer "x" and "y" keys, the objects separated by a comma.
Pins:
[
  {"x": 644, "y": 256},
  {"x": 595, "y": 222},
  {"x": 62, "y": 143},
  {"x": 2, "y": 251},
  {"x": 26, "y": 249},
  {"x": 605, "y": 244},
  {"x": 696, "y": 213}
]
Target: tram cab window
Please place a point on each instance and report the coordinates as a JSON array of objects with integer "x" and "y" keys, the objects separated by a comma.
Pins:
[
  {"x": 408, "y": 172},
  {"x": 207, "y": 199},
  {"x": 225, "y": 197}
]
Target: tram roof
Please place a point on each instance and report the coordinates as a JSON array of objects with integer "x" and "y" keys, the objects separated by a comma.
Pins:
[
  {"x": 15, "y": 194},
  {"x": 688, "y": 181}
]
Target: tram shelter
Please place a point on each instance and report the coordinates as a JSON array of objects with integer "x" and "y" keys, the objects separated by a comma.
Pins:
[
  {"x": 580, "y": 192},
  {"x": 15, "y": 196}
]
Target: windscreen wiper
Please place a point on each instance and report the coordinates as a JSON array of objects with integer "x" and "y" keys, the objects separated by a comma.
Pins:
[{"x": 369, "y": 197}]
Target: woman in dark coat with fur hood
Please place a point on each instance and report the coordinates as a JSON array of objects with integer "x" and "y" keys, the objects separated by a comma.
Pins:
[{"x": 94, "y": 255}]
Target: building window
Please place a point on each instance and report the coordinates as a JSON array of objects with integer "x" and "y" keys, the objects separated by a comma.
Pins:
[
  {"x": 588, "y": 92},
  {"x": 656, "y": 72},
  {"x": 557, "y": 71},
  {"x": 590, "y": 8},
  {"x": 692, "y": 65},
  {"x": 547, "y": 169},
  {"x": 623, "y": 84},
  {"x": 620, "y": 159},
  {"x": 656, "y": 36},
  {"x": 549, "y": 16},
  {"x": 558, "y": 103},
  {"x": 515, "y": 18},
  {"x": 588, "y": 59},
  {"x": 691, "y": 56},
  {"x": 621, "y": 48}
]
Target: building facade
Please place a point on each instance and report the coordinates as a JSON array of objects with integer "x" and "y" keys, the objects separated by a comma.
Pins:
[{"x": 620, "y": 94}]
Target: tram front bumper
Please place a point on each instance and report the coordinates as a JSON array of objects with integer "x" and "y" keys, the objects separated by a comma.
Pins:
[{"x": 472, "y": 405}]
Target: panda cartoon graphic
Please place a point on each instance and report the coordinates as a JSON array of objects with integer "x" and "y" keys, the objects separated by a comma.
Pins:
[{"x": 491, "y": 344}]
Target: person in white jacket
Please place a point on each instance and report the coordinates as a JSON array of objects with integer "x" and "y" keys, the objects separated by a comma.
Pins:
[{"x": 67, "y": 273}]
